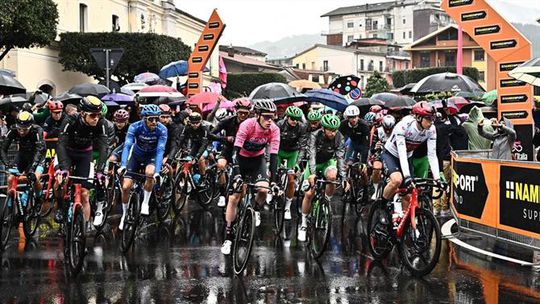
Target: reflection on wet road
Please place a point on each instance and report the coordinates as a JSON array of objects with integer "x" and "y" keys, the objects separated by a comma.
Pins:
[{"x": 181, "y": 262}]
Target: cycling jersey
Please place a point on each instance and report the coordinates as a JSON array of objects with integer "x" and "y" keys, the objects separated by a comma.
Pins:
[
  {"x": 31, "y": 147},
  {"x": 173, "y": 134},
  {"x": 322, "y": 149},
  {"x": 110, "y": 130},
  {"x": 146, "y": 143},
  {"x": 252, "y": 139},
  {"x": 52, "y": 127},
  {"x": 78, "y": 137},
  {"x": 358, "y": 134},
  {"x": 406, "y": 137},
  {"x": 120, "y": 134},
  {"x": 292, "y": 138},
  {"x": 379, "y": 135},
  {"x": 199, "y": 139}
]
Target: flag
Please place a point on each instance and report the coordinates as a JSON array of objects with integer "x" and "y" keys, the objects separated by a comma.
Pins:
[{"x": 222, "y": 72}]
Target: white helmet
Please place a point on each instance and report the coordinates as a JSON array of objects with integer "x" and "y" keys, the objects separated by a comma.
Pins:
[
  {"x": 351, "y": 110},
  {"x": 222, "y": 114},
  {"x": 388, "y": 122}
]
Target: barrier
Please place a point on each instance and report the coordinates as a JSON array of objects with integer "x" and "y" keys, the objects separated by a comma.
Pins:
[{"x": 500, "y": 199}]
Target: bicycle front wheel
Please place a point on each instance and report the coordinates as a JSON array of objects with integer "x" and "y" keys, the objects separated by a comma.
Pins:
[
  {"x": 32, "y": 218},
  {"x": 279, "y": 215},
  {"x": 7, "y": 220},
  {"x": 182, "y": 193},
  {"x": 130, "y": 222},
  {"x": 379, "y": 229},
  {"x": 243, "y": 241},
  {"x": 164, "y": 199},
  {"x": 77, "y": 242},
  {"x": 320, "y": 228},
  {"x": 206, "y": 191},
  {"x": 420, "y": 248}
]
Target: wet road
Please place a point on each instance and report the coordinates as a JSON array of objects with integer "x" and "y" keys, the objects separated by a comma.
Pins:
[{"x": 180, "y": 262}]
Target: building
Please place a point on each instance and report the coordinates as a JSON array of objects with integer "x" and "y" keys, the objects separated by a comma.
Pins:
[
  {"x": 341, "y": 60},
  {"x": 439, "y": 49},
  {"x": 236, "y": 63},
  {"x": 400, "y": 21},
  {"x": 243, "y": 51},
  {"x": 155, "y": 16},
  {"x": 284, "y": 62}
]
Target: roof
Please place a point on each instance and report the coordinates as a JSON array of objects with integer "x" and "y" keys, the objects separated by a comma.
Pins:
[
  {"x": 340, "y": 48},
  {"x": 246, "y": 61},
  {"x": 181, "y": 12},
  {"x": 241, "y": 50},
  {"x": 365, "y": 8},
  {"x": 427, "y": 37}
]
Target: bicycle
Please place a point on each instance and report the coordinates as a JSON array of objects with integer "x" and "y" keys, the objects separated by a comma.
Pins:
[
  {"x": 133, "y": 214},
  {"x": 18, "y": 207},
  {"x": 163, "y": 194},
  {"x": 187, "y": 183},
  {"x": 320, "y": 219},
  {"x": 357, "y": 195},
  {"x": 417, "y": 234},
  {"x": 244, "y": 227}
]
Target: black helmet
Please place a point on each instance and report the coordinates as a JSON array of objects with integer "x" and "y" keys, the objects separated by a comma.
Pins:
[
  {"x": 264, "y": 106},
  {"x": 24, "y": 119},
  {"x": 91, "y": 104},
  {"x": 195, "y": 117}
]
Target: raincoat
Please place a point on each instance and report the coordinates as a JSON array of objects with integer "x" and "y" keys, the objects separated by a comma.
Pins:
[
  {"x": 503, "y": 140},
  {"x": 477, "y": 142}
]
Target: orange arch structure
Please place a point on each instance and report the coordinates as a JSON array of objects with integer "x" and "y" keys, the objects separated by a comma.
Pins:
[{"x": 508, "y": 48}]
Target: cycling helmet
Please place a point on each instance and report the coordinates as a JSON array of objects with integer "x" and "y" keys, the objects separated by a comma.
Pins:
[
  {"x": 242, "y": 103},
  {"x": 222, "y": 114},
  {"x": 195, "y": 117},
  {"x": 103, "y": 109},
  {"x": 378, "y": 118},
  {"x": 165, "y": 109},
  {"x": 294, "y": 112},
  {"x": 369, "y": 117},
  {"x": 351, "y": 111},
  {"x": 55, "y": 106},
  {"x": 24, "y": 119},
  {"x": 314, "y": 115},
  {"x": 91, "y": 104},
  {"x": 150, "y": 110},
  {"x": 423, "y": 109},
  {"x": 330, "y": 121},
  {"x": 27, "y": 107},
  {"x": 264, "y": 106},
  {"x": 121, "y": 115},
  {"x": 375, "y": 109},
  {"x": 388, "y": 122}
]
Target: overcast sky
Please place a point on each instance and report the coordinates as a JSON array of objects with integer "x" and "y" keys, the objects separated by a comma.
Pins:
[{"x": 251, "y": 21}]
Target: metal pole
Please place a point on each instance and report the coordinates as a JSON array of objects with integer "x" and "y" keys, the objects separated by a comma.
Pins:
[{"x": 107, "y": 66}]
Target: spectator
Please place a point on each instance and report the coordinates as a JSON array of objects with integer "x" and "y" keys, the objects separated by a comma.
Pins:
[
  {"x": 477, "y": 142},
  {"x": 503, "y": 138}
]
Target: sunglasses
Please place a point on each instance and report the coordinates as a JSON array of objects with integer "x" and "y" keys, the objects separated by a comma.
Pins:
[
  {"x": 267, "y": 117},
  {"x": 195, "y": 122},
  {"x": 242, "y": 112},
  {"x": 93, "y": 115},
  {"x": 152, "y": 119},
  {"x": 165, "y": 116},
  {"x": 22, "y": 128},
  {"x": 352, "y": 117}
]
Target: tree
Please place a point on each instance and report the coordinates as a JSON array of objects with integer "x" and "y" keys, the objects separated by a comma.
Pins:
[
  {"x": 26, "y": 24},
  {"x": 239, "y": 85},
  {"x": 143, "y": 52},
  {"x": 376, "y": 84}
]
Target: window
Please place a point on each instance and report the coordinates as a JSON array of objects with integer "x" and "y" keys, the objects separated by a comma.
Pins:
[
  {"x": 393, "y": 65},
  {"x": 350, "y": 38},
  {"x": 361, "y": 64},
  {"x": 404, "y": 35},
  {"x": 83, "y": 16},
  {"x": 303, "y": 66},
  {"x": 407, "y": 65},
  {"x": 115, "y": 23},
  {"x": 482, "y": 76},
  {"x": 368, "y": 24},
  {"x": 350, "y": 24},
  {"x": 388, "y": 22},
  {"x": 315, "y": 78},
  {"x": 325, "y": 65},
  {"x": 380, "y": 66},
  {"x": 404, "y": 20},
  {"x": 425, "y": 60},
  {"x": 371, "y": 66},
  {"x": 375, "y": 24},
  {"x": 450, "y": 58},
  {"x": 375, "y": 35},
  {"x": 390, "y": 36},
  {"x": 479, "y": 55},
  {"x": 410, "y": 34},
  {"x": 448, "y": 35}
]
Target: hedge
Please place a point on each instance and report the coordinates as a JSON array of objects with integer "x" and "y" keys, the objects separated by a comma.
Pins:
[
  {"x": 239, "y": 85},
  {"x": 401, "y": 78}
]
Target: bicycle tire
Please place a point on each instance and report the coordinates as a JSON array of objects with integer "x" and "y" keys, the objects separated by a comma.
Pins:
[
  {"x": 181, "y": 194},
  {"x": 378, "y": 231},
  {"x": 164, "y": 199},
  {"x": 32, "y": 218},
  {"x": 426, "y": 225},
  {"x": 77, "y": 245},
  {"x": 321, "y": 225},
  {"x": 205, "y": 194},
  {"x": 245, "y": 233},
  {"x": 106, "y": 210},
  {"x": 130, "y": 222},
  {"x": 47, "y": 204},
  {"x": 7, "y": 221},
  {"x": 279, "y": 215}
]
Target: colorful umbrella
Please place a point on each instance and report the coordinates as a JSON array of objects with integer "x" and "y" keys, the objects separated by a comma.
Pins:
[
  {"x": 277, "y": 91},
  {"x": 225, "y": 104},
  {"x": 132, "y": 88},
  {"x": 459, "y": 101},
  {"x": 118, "y": 98},
  {"x": 173, "y": 69},
  {"x": 86, "y": 89},
  {"x": 445, "y": 104},
  {"x": 302, "y": 84},
  {"x": 159, "y": 91},
  {"x": 348, "y": 86},
  {"x": 328, "y": 98},
  {"x": 490, "y": 97},
  {"x": 146, "y": 77},
  {"x": 528, "y": 72},
  {"x": 204, "y": 98}
]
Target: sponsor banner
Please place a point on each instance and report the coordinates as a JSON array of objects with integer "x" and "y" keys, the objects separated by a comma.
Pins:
[
  {"x": 473, "y": 16},
  {"x": 51, "y": 149},
  {"x": 509, "y": 83},
  {"x": 519, "y": 197},
  {"x": 509, "y": 66},
  {"x": 515, "y": 114},
  {"x": 486, "y": 30},
  {"x": 456, "y": 3},
  {"x": 523, "y": 147},
  {"x": 514, "y": 98},
  {"x": 503, "y": 44},
  {"x": 470, "y": 190}
]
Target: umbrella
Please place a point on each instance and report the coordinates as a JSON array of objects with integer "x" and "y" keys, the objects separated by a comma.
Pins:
[
  {"x": 9, "y": 85},
  {"x": 111, "y": 103},
  {"x": 304, "y": 84},
  {"x": 7, "y": 72},
  {"x": 470, "y": 95},
  {"x": 406, "y": 89},
  {"x": 173, "y": 69},
  {"x": 113, "y": 85},
  {"x": 528, "y": 72},
  {"x": 225, "y": 104},
  {"x": 159, "y": 91},
  {"x": 118, "y": 98},
  {"x": 146, "y": 77},
  {"x": 365, "y": 103},
  {"x": 348, "y": 86},
  {"x": 67, "y": 97},
  {"x": 391, "y": 100},
  {"x": 172, "y": 101},
  {"x": 467, "y": 108},
  {"x": 132, "y": 88},
  {"x": 458, "y": 101},
  {"x": 490, "y": 97},
  {"x": 279, "y": 92},
  {"x": 446, "y": 82},
  {"x": 204, "y": 97},
  {"x": 87, "y": 89},
  {"x": 328, "y": 98},
  {"x": 14, "y": 100},
  {"x": 442, "y": 104}
]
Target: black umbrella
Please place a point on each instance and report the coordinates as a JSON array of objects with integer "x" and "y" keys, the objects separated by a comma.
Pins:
[
  {"x": 467, "y": 108},
  {"x": 365, "y": 103},
  {"x": 391, "y": 100},
  {"x": 86, "y": 89},
  {"x": 14, "y": 100},
  {"x": 406, "y": 89},
  {"x": 9, "y": 85},
  {"x": 67, "y": 97},
  {"x": 446, "y": 82},
  {"x": 279, "y": 92}
]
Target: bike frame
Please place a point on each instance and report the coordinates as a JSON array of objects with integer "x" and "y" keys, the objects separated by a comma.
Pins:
[{"x": 410, "y": 213}]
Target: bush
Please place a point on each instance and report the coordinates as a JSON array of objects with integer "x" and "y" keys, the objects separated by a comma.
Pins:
[
  {"x": 401, "y": 78},
  {"x": 143, "y": 52},
  {"x": 376, "y": 84},
  {"x": 239, "y": 85}
]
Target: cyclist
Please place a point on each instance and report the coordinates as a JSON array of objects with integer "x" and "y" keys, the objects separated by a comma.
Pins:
[
  {"x": 143, "y": 148},
  {"x": 249, "y": 162},
  {"x": 121, "y": 126},
  {"x": 199, "y": 136},
  {"x": 51, "y": 126},
  {"x": 173, "y": 130},
  {"x": 293, "y": 139},
  {"x": 357, "y": 131},
  {"x": 314, "y": 118},
  {"x": 229, "y": 126},
  {"x": 31, "y": 153},
  {"x": 326, "y": 150},
  {"x": 411, "y": 132},
  {"x": 81, "y": 133},
  {"x": 380, "y": 137}
]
